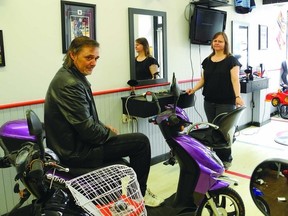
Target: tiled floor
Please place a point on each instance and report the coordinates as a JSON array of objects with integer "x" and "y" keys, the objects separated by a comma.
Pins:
[{"x": 253, "y": 145}]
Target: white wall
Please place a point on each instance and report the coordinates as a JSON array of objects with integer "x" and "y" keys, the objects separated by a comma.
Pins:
[
  {"x": 261, "y": 15},
  {"x": 33, "y": 44}
]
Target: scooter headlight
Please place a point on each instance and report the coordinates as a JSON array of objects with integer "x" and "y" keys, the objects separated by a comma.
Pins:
[
  {"x": 21, "y": 157},
  {"x": 24, "y": 157}
]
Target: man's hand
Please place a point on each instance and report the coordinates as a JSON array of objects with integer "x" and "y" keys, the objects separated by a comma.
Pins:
[{"x": 112, "y": 129}]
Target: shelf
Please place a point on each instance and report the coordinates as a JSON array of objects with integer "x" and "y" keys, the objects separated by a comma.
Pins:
[
  {"x": 273, "y": 1},
  {"x": 138, "y": 105},
  {"x": 211, "y": 3},
  {"x": 254, "y": 85}
]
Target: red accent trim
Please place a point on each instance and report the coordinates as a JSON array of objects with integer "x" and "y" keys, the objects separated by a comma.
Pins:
[
  {"x": 238, "y": 174},
  {"x": 19, "y": 104},
  {"x": 127, "y": 89},
  {"x": 188, "y": 81},
  {"x": 40, "y": 101},
  {"x": 110, "y": 91},
  {"x": 33, "y": 102}
]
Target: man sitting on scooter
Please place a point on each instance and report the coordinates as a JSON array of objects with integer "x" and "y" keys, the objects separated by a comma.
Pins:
[{"x": 72, "y": 125}]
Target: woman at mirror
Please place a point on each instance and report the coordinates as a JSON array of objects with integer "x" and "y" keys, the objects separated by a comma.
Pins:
[{"x": 146, "y": 66}]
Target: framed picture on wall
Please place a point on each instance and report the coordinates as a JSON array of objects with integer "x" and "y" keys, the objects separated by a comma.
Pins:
[
  {"x": 2, "y": 55},
  {"x": 263, "y": 37},
  {"x": 78, "y": 19}
]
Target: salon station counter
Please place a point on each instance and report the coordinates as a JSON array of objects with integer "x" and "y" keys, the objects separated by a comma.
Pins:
[{"x": 137, "y": 105}]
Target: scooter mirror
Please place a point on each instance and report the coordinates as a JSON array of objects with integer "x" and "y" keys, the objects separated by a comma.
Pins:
[
  {"x": 175, "y": 90},
  {"x": 269, "y": 187}
]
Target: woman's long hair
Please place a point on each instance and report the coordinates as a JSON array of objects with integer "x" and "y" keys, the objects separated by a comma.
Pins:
[
  {"x": 144, "y": 42},
  {"x": 226, "y": 46}
]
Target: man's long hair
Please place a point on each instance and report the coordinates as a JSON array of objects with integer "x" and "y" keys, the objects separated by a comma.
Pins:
[{"x": 76, "y": 46}]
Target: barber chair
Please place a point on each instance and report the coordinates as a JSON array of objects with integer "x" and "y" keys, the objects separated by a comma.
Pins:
[
  {"x": 216, "y": 135},
  {"x": 284, "y": 72},
  {"x": 220, "y": 133}
]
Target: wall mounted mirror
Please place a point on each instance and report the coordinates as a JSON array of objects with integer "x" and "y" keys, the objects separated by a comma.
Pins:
[
  {"x": 151, "y": 25},
  {"x": 268, "y": 186},
  {"x": 240, "y": 45}
]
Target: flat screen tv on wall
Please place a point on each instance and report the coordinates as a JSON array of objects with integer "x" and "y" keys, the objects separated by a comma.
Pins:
[{"x": 204, "y": 23}]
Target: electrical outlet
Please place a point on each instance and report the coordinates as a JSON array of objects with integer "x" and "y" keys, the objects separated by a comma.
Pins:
[{"x": 125, "y": 118}]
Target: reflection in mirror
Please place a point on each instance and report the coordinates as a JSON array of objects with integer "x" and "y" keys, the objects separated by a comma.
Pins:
[
  {"x": 152, "y": 26},
  {"x": 147, "y": 66},
  {"x": 240, "y": 43},
  {"x": 269, "y": 187}
]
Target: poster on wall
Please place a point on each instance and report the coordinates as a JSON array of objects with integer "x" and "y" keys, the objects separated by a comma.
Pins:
[
  {"x": 263, "y": 37},
  {"x": 78, "y": 19},
  {"x": 2, "y": 56},
  {"x": 281, "y": 36}
]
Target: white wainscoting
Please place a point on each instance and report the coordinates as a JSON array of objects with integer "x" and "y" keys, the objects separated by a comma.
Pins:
[{"x": 109, "y": 108}]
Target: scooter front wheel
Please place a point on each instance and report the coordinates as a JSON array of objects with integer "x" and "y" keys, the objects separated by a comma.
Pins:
[{"x": 227, "y": 202}]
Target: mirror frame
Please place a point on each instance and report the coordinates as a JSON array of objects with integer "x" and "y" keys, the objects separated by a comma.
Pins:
[
  {"x": 237, "y": 39},
  {"x": 131, "y": 13}
]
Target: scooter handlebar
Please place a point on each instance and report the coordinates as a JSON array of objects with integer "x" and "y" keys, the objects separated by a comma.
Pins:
[
  {"x": 36, "y": 169},
  {"x": 5, "y": 162},
  {"x": 57, "y": 166},
  {"x": 152, "y": 120}
]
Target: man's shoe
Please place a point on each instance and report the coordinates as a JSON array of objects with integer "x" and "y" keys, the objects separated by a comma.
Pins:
[
  {"x": 151, "y": 200},
  {"x": 227, "y": 165}
]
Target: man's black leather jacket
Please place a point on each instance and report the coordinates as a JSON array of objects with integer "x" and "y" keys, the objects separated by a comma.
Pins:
[{"x": 71, "y": 121}]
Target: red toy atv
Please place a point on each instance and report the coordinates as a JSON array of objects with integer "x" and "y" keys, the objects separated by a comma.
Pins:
[{"x": 280, "y": 100}]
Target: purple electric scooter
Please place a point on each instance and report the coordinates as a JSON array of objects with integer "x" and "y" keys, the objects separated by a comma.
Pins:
[
  {"x": 201, "y": 185},
  {"x": 42, "y": 174},
  {"x": 38, "y": 169},
  {"x": 202, "y": 188}
]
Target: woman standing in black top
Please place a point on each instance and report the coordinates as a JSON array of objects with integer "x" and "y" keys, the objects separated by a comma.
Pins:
[
  {"x": 221, "y": 86},
  {"x": 146, "y": 66}
]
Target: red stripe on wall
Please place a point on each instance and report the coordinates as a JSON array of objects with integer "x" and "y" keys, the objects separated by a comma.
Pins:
[
  {"x": 40, "y": 101},
  {"x": 19, "y": 104}
]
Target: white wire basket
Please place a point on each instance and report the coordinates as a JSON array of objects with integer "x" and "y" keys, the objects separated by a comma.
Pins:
[{"x": 109, "y": 191}]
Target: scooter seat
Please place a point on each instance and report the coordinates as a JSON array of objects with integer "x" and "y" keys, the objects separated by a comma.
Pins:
[
  {"x": 210, "y": 137},
  {"x": 77, "y": 171}
]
